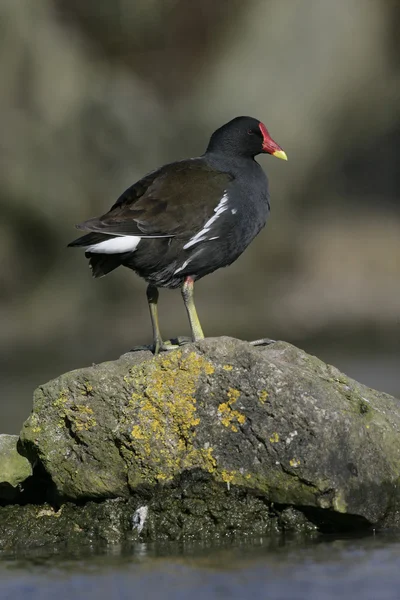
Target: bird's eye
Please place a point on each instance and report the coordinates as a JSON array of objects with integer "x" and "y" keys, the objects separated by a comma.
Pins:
[{"x": 250, "y": 132}]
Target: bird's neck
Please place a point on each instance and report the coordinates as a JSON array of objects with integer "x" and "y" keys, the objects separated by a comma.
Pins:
[{"x": 219, "y": 158}]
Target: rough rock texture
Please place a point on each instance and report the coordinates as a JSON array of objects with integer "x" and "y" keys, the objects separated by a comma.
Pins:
[
  {"x": 192, "y": 506},
  {"x": 274, "y": 422},
  {"x": 14, "y": 468}
]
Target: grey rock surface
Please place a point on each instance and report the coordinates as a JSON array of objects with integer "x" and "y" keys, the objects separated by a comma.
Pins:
[{"x": 273, "y": 421}]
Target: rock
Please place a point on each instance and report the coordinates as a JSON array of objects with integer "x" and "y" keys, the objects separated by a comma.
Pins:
[
  {"x": 193, "y": 506},
  {"x": 270, "y": 423},
  {"x": 14, "y": 468}
]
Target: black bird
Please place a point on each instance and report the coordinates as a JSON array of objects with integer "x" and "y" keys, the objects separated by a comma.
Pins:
[{"x": 187, "y": 218}]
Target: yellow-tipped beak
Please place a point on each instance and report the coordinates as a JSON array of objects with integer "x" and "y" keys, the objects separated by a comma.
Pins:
[{"x": 280, "y": 154}]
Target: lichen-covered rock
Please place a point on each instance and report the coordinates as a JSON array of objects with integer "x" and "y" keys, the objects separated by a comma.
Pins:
[
  {"x": 273, "y": 421},
  {"x": 14, "y": 468}
]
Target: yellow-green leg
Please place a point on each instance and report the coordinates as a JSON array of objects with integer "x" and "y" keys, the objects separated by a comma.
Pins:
[
  {"x": 187, "y": 294},
  {"x": 152, "y": 299},
  {"x": 158, "y": 344}
]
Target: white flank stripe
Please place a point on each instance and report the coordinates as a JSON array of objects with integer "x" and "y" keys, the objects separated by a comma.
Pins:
[
  {"x": 202, "y": 235},
  {"x": 116, "y": 245},
  {"x": 185, "y": 264}
]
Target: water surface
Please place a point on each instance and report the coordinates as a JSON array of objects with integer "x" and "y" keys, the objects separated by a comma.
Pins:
[{"x": 366, "y": 568}]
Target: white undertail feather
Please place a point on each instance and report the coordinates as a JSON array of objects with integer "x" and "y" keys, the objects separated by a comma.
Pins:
[
  {"x": 202, "y": 235},
  {"x": 115, "y": 245}
]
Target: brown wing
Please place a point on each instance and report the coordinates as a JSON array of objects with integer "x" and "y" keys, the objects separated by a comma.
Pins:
[{"x": 168, "y": 202}]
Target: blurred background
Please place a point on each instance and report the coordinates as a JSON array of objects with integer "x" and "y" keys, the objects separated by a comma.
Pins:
[{"x": 96, "y": 94}]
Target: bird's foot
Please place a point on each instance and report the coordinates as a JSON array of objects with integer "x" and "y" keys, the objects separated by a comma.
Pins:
[
  {"x": 172, "y": 344},
  {"x": 181, "y": 340},
  {"x": 262, "y": 342},
  {"x": 161, "y": 346}
]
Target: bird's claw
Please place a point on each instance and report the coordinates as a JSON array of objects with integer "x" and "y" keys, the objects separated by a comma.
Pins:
[
  {"x": 172, "y": 344},
  {"x": 166, "y": 346},
  {"x": 181, "y": 340}
]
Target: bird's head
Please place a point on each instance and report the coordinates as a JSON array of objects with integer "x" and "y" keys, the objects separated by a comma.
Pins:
[{"x": 244, "y": 136}]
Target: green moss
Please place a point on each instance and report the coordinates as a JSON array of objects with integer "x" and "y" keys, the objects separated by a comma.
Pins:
[
  {"x": 339, "y": 503},
  {"x": 14, "y": 468},
  {"x": 281, "y": 487}
]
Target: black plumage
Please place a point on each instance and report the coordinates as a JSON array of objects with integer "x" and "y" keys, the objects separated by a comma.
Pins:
[{"x": 187, "y": 218}]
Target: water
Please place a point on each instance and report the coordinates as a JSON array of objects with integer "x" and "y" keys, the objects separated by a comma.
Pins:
[{"x": 367, "y": 568}]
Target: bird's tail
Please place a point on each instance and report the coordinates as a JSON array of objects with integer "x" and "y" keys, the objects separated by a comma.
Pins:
[
  {"x": 89, "y": 239},
  {"x": 101, "y": 264}
]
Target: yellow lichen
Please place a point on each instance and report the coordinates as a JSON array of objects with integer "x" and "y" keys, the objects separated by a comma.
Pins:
[
  {"x": 229, "y": 416},
  {"x": 234, "y": 477},
  {"x": 274, "y": 438},
  {"x": 163, "y": 409},
  {"x": 61, "y": 400},
  {"x": 263, "y": 396},
  {"x": 233, "y": 395},
  {"x": 209, "y": 461},
  {"x": 84, "y": 409},
  {"x": 87, "y": 389},
  {"x": 137, "y": 433},
  {"x": 294, "y": 462},
  {"x": 227, "y": 476},
  {"x": 80, "y": 415},
  {"x": 203, "y": 458},
  {"x": 227, "y": 367},
  {"x": 134, "y": 399},
  {"x": 35, "y": 423}
]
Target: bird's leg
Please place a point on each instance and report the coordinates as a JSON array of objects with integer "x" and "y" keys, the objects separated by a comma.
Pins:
[
  {"x": 187, "y": 294},
  {"x": 152, "y": 299},
  {"x": 158, "y": 344}
]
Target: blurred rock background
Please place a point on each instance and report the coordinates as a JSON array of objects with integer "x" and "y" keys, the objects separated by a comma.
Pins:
[{"x": 95, "y": 94}]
